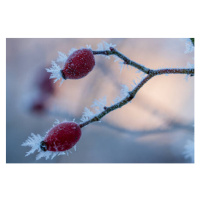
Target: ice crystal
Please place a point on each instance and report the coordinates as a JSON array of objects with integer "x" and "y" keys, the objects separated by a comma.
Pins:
[
  {"x": 33, "y": 141},
  {"x": 87, "y": 115},
  {"x": 55, "y": 71},
  {"x": 189, "y": 47},
  {"x": 88, "y": 46},
  {"x": 99, "y": 105},
  {"x": 189, "y": 65},
  {"x": 124, "y": 91},
  {"x": 116, "y": 100},
  {"x": 187, "y": 77},
  {"x": 121, "y": 66},
  {"x": 116, "y": 58},
  {"x": 105, "y": 46},
  {"x": 71, "y": 51},
  {"x": 100, "y": 47},
  {"x": 61, "y": 57},
  {"x": 189, "y": 150}
]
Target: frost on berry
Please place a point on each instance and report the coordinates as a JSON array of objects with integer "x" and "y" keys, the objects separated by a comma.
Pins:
[
  {"x": 58, "y": 140},
  {"x": 78, "y": 64}
]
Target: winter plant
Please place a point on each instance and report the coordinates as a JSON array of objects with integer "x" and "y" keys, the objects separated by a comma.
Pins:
[{"x": 63, "y": 136}]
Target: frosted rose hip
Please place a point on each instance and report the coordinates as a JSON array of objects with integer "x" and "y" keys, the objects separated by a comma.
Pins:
[
  {"x": 78, "y": 64},
  {"x": 61, "y": 137}
]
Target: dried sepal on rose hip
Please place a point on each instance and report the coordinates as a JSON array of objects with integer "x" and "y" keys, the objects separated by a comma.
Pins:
[
  {"x": 76, "y": 66},
  {"x": 58, "y": 140}
]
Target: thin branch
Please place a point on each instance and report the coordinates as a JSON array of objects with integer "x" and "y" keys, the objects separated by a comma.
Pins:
[
  {"x": 126, "y": 60},
  {"x": 144, "y": 69},
  {"x": 150, "y": 74},
  {"x": 189, "y": 71},
  {"x": 124, "y": 101}
]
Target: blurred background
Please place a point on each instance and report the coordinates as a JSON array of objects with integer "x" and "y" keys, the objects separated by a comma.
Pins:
[{"x": 153, "y": 128}]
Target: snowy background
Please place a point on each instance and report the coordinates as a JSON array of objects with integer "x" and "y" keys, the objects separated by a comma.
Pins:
[{"x": 153, "y": 128}]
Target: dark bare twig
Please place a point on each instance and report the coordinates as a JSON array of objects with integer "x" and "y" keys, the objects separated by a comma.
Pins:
[
  {"x": 144, "y": 69},
  {"x": 150, "y": 74}
]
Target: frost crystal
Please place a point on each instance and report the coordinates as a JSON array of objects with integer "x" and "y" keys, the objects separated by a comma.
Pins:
[
  {"x": 121, "y": 66},
  {"x": 124, "y": 91},
  {"x": 88, "y": 46},
  {"x": 188, "y": 46},
  {"x": 189, "y": 65},
  {"x": 61, "y": 57},
  {"x": 98, "y": 106},
  {"x": 105, "y": 46},
  {"x": 189, "y": 150},
  {"x": 33, "y": 142},
  {"x": 71, "y": 51},
  {"x": 87, "y": 115},
  {"x": 55, "y": 72}
]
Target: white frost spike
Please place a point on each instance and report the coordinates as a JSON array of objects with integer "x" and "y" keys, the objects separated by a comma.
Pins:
[
  {"x": 100, "y": 47},
  {"x": 99, "y": 104},
  {"x": 88, "y": 46},
  {"x": 55, "y": 72},
  {"x": 189, "y": 150},
  {"x": 33, "y": 141},
  {"x": 117, "y": 99},
  {"x": 189, "y": 65},
  {"x": 71, "y": 51},
  {"x": 121, "y": 66},
  {"x": 124, "y": 91},
  {"x": 186, "y": 77},
  {"x": 87, "y": 114},
  {"x": 61, "y": 57},
  {"x": 56, "y": 122},
  {"x": 188, "y": 46},
  {"x": 107, "y": 46},
  {"x": 74, "y": 147},
  {"x": 116, "y": 58}
]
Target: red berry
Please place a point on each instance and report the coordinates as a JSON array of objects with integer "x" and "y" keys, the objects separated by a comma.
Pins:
[
  {"x": 78, "y": 64},
  {"x": 61, "y": 137}
]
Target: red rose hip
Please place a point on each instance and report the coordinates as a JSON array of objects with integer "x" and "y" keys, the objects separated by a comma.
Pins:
[
  {"x": 61, "y": 137},
  {"x": 78, "y": 64}
]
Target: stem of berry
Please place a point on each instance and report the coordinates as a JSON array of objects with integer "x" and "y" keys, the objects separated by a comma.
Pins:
[
  {"x": 144, "y": 69},
  {"x": 150, "y": 74}
]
